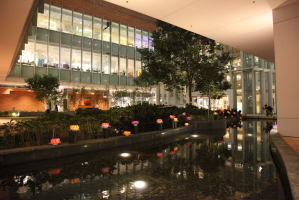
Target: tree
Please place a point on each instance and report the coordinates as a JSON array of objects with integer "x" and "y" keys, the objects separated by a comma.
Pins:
[
  {"x": 45, "y": 88},
  {"x": 210, "y": 79},
  {"x": 178, "y": 57}
]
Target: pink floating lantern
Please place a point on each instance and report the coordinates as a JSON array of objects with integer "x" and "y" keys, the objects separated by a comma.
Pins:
[
  {"x": 135, "y": 123},
  {"x": 105, "y": 170},
  {"x": 159, "y": 121},
  {"x": 171, "y": 116},
  {"x": 105, "y": 125},
  {"x": 184, "y": 113},
  {"x": 159, "y": 154},
  {"x": 189, "y": 118},
  {"x": 55, "y": 141}
]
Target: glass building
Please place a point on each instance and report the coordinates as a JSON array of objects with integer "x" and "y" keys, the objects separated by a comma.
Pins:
[
  {"x": 91, "y": 51},
  {"x": 82, "y": 48}
]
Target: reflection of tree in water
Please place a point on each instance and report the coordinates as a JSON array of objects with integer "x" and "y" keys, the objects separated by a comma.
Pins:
[{"x": 210, "y": 157}]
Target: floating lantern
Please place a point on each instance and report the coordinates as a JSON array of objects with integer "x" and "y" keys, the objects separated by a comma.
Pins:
[
  {"x": 127, "y": 133},
  {"x": 159, "y": 121},
  {"x": 135, "y": 162},
  {"x": 55, "y": 141},
  {"x": 105, "y": 125},
  {"x": 215, "y": 113},
  {"x": 186, "y": 138},
  {"x": 74, "y": 127},
  {"x": 189, "y": 118},
  {"x": 159, "y": 154},
  {"x": 184, "y": 113},
  {"x": 135, "y": 123},
  {"x": 171, "y": 116},
  {"x": 175, "y": 148},
  {"x": 225, "y": 116},
  {"x": 75, "y": 180},
  {"x": 176, "y": 119},
  {"x": 222, "y": 142},
  {"x": 171, "y": 152},
  {"x": 186, "y": 124},
  {"x": 240, "y": 117},
  {"x": 55, "y": 171},
  {"x": 105, "y": 170},
  {"x": 275, "y": 126},
  {"x": 231, "y": 116}
]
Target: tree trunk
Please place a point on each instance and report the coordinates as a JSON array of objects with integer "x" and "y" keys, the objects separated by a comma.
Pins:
[
  {"x": 190, "y": 98},
  {"x": 209, "y": 104}
]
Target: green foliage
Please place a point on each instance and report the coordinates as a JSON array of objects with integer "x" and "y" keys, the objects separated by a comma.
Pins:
[
  {"x": 40, "y": 130},
  {"x": 179, "y": 56},
  {"x": 46, "y": 87}
]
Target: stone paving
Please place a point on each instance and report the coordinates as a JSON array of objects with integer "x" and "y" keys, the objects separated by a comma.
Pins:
[{"x": 293, "y": 142}]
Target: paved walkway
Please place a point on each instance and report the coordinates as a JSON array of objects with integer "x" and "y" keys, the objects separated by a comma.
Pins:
[{"x": 293, "y": 142}]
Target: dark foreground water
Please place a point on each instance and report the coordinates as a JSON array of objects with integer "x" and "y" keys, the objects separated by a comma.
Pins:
[{"x": 223, "y": 164}]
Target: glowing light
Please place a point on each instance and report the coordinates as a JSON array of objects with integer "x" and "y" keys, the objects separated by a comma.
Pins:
[
  {"x": 55, "y": 141},
  {"x": 135, "y": 123},
  {"x": 171, "y": 116},
  {"x": 159, "y": 121},
  {"x": 275, "y": 126},
  {"x": 159, "y": 154},
  {"x": 195, "y": 135},
  {"x": 184, "y": 113},
  {"x": 125, "y": 155},
  {"x": 105, "y": 125},
  {"x": 186, "y": 124},
  {"x": 189, "y": 118},
  {"x": 127, "y": 133},
  {"x": 74, "y": 127},
  {"x": 139, "y": 184},
  {"x": 175, "y": 148},
  {"x": 176, "y": 119}
]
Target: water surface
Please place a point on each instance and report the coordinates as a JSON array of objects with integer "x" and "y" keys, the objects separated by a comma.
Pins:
[{"x": 227, "y": 164}]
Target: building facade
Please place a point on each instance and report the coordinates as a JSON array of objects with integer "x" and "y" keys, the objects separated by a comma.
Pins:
[{"x": 93, "y": 44}]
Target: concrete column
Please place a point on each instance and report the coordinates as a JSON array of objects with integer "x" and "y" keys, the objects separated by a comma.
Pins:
[
  {"x": 158, "y": 94},
  {"x": 270, "y": 93},
  {"x": 263, "y": 91},
  {"x": 286, "y": 42},
  {"x": 253, "y": 92},
  {"x": 174, "y": 97},
  {"x": 181, "y": 98},
  {"x": 168, "y": 97}
]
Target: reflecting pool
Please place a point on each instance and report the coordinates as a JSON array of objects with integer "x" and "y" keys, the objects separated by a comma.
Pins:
[{"x": 234, "y": 163}]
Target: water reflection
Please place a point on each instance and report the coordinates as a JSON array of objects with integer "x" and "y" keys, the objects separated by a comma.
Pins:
[{"x": 232, "y": 164}]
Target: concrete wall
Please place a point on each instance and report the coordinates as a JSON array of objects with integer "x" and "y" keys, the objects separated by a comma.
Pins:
[
  {"x": 286, "y": 40},
  {"x": 21, "y": 99}
]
